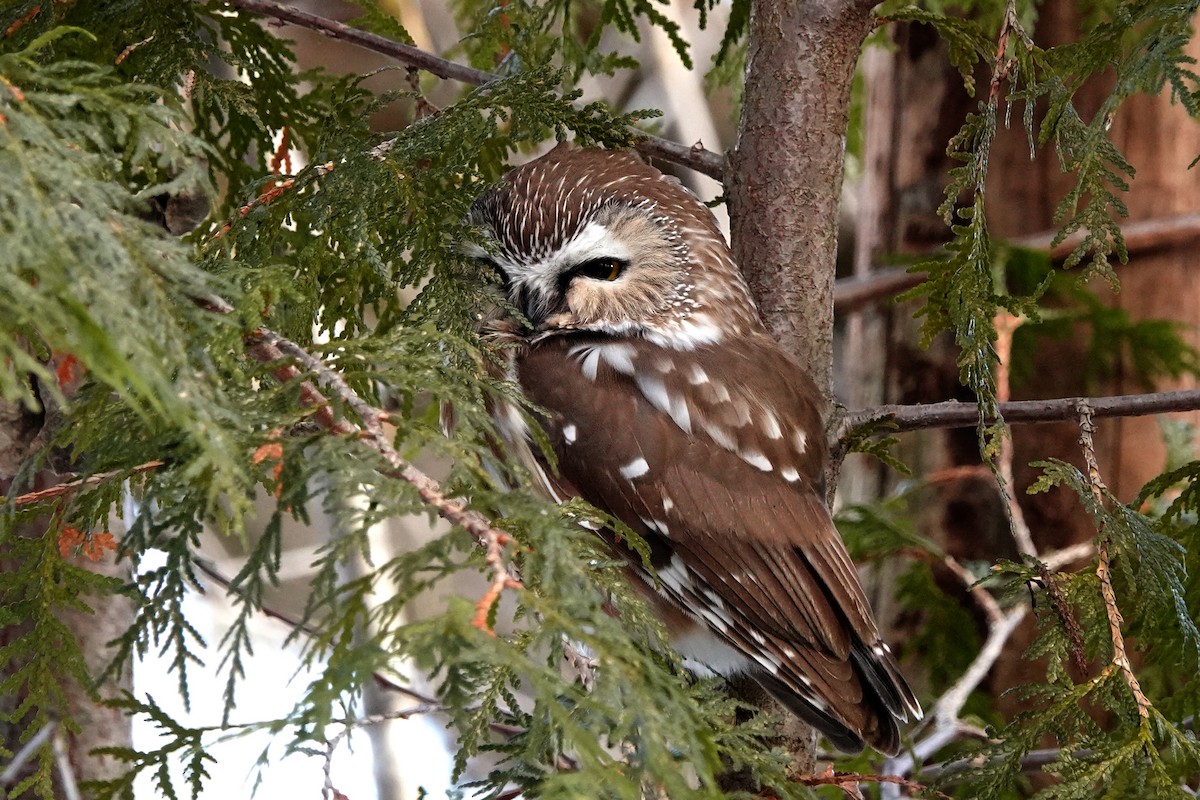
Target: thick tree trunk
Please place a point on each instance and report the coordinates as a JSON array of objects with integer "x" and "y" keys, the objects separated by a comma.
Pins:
[
  {"x": 784, "y": 187},
  {"x": 785, "y": 170}
]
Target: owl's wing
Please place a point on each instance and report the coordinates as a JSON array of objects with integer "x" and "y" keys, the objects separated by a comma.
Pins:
[{"x": 727, "y": 497}]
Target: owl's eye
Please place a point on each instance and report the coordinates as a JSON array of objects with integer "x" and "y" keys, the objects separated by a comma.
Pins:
[{"x": 601, "y": 269}]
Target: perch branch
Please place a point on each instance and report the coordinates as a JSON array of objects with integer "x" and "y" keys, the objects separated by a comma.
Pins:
[
  {"x": 953, "y": 414},
  {"x": 694, "y": 157}
]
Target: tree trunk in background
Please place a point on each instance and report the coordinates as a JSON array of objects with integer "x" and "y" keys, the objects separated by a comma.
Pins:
[
  {"x": 908, "y": 121},
  {"x": 23, "y": 433}
]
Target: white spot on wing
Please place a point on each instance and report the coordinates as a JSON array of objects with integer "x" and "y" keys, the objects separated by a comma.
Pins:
[
  {"x": 789, "y": 474},
  {"x": 590, "y": 363},
  {"x": 696, "y": 375},
  {"x": 656, "y": 392},
  {"x": 756, "y": 459},
  {"x": 635, "y": 469},
  {"x": 770, "y": 426},
  {"x": 720, "y": 436},
  {"x": 619, "y": 356},
  {"x": 800, "y": 441},
  {"x": 569, "y": 432},
  {"x": 667, "y": 504}
]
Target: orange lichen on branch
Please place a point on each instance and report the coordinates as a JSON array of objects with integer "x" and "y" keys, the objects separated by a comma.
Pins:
[
  {"x": 501, "y": 579},
  {"x": 68, "y": 371},
  {"x": 272, "y": 451},
  {"x": 23, "y": 21},
  {"x": 269, "y": 193},
  {"x": 283, "y": 153},
  {"x": 94, "y": 546}
]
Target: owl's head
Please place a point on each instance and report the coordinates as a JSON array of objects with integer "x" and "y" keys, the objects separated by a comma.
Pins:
[{"x": 597, "y": 240}]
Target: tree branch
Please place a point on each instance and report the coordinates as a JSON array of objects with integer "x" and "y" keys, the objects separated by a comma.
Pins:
[
  {"x": 1140, "y": 236},
  {"x": 694, "y": 157},
  {"x": 954, "y": 414},
  {"x": 1120, "y": 658}
]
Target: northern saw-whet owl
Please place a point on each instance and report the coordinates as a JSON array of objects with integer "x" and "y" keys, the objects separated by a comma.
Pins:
[{"x": 670, "y": 407}]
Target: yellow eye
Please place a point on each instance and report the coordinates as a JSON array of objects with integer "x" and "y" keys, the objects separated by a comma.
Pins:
[{"x": 601, "y": 269}]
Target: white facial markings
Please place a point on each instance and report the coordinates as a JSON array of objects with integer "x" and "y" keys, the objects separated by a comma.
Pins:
[
  {"x": 789, "y": 474},
  {"x": 593, "y": 241},
  {"x": 569, "y": 433},
  {"x": 635, "y": 469}
]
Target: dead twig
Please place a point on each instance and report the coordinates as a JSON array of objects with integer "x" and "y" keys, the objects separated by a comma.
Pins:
[{"x": 1120, "y": 659}]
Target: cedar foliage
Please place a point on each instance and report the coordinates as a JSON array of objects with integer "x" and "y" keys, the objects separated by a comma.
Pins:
[{"x": 107, "y": 107}]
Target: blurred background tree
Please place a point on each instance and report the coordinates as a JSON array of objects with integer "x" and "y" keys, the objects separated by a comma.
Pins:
[{"x": 231, "y": 306}]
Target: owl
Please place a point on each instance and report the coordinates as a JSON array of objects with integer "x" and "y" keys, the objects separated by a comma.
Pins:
[{"x": 669, "y": 406}]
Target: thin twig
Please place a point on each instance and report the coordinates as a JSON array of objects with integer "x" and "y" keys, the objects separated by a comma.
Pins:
[
  {"x": 328, "y": 791},
  {"x": 982, "y": 596},
  {"x": 1006, "y": 328},
  {"x": 954, "y": 414},
  {"x": 502, "y": 579},
  {"x": 91, "y": 480},
  {"x": 1120, "y": 659},
  {"x": 264, "y": 343},
  {"x": 848, "y": 782},
  {"x": 9, "y": 776},
  {"x": 694, "y": 157},
  {"x": 66, "y": 773}
]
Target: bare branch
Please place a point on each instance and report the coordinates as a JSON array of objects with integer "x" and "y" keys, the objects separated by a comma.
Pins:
[
  {"x": 953, "y": 414},
  {"x": 91, "y": 480},
  {"x": 328, "y": 790},
  {"x": 1120, "y": 659},
  {"x": 694, "y": 157},
  {"x": 264, "y": 344},
  {"x": 1140, "y": 236}
]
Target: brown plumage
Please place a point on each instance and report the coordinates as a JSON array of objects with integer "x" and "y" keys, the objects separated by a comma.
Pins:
[{"x": 670, "y": 407}]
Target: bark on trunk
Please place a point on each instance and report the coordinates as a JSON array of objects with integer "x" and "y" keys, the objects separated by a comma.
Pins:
[{"x": 785, "y": 169}]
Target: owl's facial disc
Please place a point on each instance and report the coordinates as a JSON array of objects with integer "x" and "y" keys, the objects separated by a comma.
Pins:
[{"x": 618, "y": 271}]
